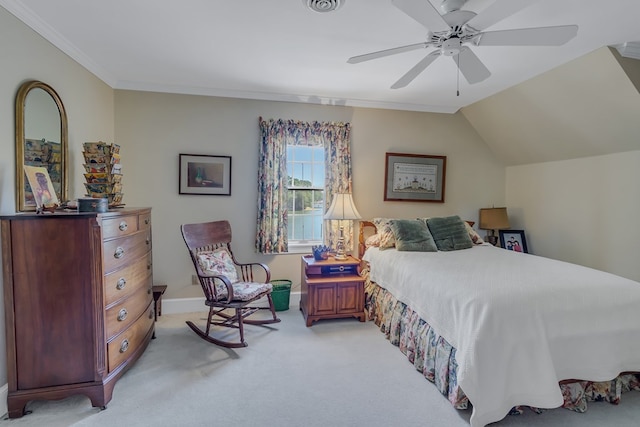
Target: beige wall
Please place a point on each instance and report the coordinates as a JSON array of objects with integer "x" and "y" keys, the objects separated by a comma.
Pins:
[
  {"x": 154, "y": 128},
  {"x": 581, "y": 210},
  {"x": 87, "y": 100}
]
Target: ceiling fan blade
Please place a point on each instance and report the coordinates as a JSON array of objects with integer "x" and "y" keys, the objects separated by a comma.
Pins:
[
  {"x": 416, "y": 70},
  {"x": 470, "y": 66},
  {"x": 423, "y": 12},
  {"x": 541, "y": 36},
  {"x": 496, "y": 12},
  {"x": 386, "y": 52}
]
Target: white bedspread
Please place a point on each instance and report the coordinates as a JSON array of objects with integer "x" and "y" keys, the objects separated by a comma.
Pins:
[{"x": 520, "y": 322}]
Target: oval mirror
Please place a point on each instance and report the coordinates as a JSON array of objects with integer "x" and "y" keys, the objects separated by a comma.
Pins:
[{"x": 41, "y": 140}]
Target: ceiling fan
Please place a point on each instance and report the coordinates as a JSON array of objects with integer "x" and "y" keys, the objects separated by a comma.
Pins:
[{"x": 453, "y": 33}]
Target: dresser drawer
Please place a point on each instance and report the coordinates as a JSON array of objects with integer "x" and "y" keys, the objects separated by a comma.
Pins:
[
  {"x": 122, "y": 315},
  {"x": 144, "y": 221},
  {"x": 124, "y": 345},
  {"x": 121, "y": 283},
  {"x": 121, "y": 252},
  {"x": 120, "y": 226}
]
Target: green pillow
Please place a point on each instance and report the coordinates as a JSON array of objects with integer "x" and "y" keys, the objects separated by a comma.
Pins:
[
  {"x": 449, "y": 233},
  {"x": 412, "y": 235}
]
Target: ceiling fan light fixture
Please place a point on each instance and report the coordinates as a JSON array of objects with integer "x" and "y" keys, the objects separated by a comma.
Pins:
[
  {"x": 451, "y": 47},
  {"x": 450, "y": 5},
  {"x": 323, "y": 6}
]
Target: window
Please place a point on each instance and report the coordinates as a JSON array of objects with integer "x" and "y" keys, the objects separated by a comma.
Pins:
[{"x": 305, "y": 198}]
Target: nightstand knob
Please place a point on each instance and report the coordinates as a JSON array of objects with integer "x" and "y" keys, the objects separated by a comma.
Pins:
[{"x": 341, "y": 268}]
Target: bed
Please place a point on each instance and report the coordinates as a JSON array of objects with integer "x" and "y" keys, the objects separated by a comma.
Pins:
[{"x": 497, "y": 330}]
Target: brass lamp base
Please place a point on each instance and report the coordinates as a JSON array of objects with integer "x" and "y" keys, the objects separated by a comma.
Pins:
[
  {"x": 340, "y": 257},
  {"x": 341, "y": 254}
]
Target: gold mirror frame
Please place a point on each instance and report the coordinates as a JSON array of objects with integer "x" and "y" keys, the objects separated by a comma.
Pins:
[{"x": 61, "y": 164}]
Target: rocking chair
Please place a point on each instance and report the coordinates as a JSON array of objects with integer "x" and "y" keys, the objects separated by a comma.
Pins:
[{"x": 230, "y": 296}]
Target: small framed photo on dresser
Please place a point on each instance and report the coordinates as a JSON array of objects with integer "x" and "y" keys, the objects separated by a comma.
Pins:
[{"x": 513, "y": 240}]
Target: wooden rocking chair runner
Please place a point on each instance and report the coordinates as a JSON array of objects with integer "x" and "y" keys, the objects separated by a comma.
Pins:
[{"x": 209, "y": 246}]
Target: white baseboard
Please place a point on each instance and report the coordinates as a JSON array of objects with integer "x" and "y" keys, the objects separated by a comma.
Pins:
[
  {"x": 183, "y": 305},
  {"x": 4, "y": 393},
  {"x": 190, "y": 305}
]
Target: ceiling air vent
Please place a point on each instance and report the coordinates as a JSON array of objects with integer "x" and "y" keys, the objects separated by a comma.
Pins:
[{"x": 323, "y": 6}]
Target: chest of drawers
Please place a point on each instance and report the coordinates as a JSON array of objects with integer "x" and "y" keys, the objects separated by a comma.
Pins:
[{"x": 78, "y": 302}]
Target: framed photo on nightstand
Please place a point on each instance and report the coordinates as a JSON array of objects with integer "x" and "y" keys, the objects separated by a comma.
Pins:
[{"x": 513, "y": 240}]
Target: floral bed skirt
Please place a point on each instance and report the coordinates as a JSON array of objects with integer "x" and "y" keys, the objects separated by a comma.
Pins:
[{"x": 434, "y": 357}]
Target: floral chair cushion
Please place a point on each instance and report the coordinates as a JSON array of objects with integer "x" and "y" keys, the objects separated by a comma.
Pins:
[
  {"x": 244, "y": 291},
  {"x": 218, "y": 262}
]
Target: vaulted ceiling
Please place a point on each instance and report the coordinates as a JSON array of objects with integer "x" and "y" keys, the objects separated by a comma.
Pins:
[{"x": 587, "y": 107}]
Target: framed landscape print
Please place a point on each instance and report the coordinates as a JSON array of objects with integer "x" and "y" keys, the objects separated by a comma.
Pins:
[
  {"x": 203, "y": 174},
  {"x": 414, "y": 177}
]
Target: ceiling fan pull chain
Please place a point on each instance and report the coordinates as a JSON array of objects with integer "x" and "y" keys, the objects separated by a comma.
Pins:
[{"x": 458, "y": 78}]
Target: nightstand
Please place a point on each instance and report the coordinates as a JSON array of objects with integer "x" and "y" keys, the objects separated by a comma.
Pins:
[{"x": 331, "y": 289}]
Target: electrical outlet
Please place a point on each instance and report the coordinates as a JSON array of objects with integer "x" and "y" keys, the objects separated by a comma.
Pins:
[{"x": 194, "y": 280}]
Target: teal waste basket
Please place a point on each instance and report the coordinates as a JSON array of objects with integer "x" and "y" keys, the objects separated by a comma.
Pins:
[{"x": 280, "y": 294}]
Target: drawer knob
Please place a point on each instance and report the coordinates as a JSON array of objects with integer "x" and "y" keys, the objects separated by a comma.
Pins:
[
  {"x": 148, "y": 240},
  {"x": 122, "y": 314},
  {"x": 121, "y": 283},
  {"x": 123, "y": 226},
  {"x": 149, "y": 266},
  {"x": 119, "y": 253},
  {"x": 146, "y": 221},
  {"x": 124, "y": 346}
]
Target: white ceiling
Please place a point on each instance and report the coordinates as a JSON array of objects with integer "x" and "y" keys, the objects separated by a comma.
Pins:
[{"x": 280, "y": 50}]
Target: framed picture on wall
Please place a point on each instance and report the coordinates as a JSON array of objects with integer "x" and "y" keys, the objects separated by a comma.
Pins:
[
  {"x": 513, "y": 240},
  {"x": 414, "y": 177},
  {"x": 204, "y": 174}
]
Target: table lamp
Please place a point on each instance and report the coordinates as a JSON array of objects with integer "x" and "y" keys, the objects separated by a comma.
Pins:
[
  {"x": 493, "y": 219},
  {"x": 342, "y": 208}
]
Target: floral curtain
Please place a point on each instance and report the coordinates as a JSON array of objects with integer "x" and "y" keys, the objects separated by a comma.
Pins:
[
  {"x": 337, "y": 149},
  {"x": 275, "y": 135}
]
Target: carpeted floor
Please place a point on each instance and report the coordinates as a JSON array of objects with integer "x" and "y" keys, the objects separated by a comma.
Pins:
[{"x": 335, "y": 373}]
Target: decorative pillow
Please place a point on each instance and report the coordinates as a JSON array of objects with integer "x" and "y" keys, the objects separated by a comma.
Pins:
[
  {"x": 449, "y": 233},
  {"x": 244, "y": 291},
  {"x": 383, "y": 228},
  {"x": 475, "y": 237},
  {"x": 373, "y": 240},
  {"x": 218, "y": 262},
  {"x": 412, "y": 235}
]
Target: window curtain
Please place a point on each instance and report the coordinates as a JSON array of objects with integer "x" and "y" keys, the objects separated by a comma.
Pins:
[
  {"x": 337, "y": 160},
  {"x": 275, "y": 135}
]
